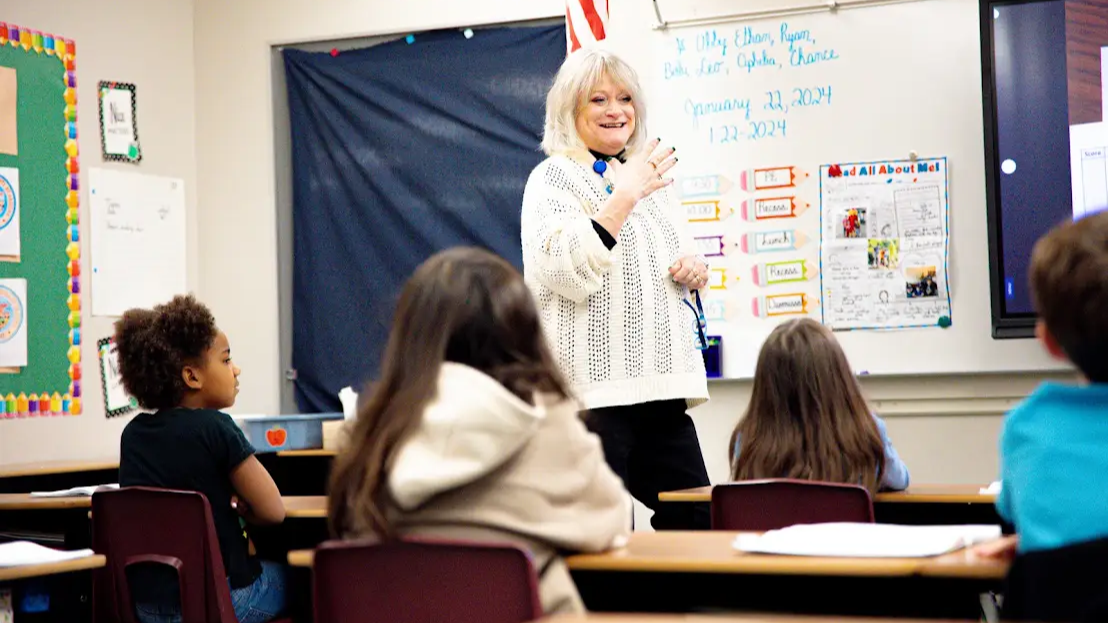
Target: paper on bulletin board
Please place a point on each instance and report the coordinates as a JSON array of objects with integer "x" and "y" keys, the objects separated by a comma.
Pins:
[
  {"x": 10, "y": 208},
  {"x": 138, "y": 240},
  {"x": 13, "y": 323},
  {"x": 9, "y": 128},
  {"x": 116, "y": 399},
  {"x": 884, "y": 241}
]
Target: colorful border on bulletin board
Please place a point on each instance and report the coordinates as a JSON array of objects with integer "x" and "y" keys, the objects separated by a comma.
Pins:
[
  {"x": 47, "y": 402},
  {"x": 136, "y": 150}
]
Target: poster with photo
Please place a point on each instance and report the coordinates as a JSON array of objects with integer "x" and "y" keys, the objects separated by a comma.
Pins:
[{"x": 884, "y": 243}]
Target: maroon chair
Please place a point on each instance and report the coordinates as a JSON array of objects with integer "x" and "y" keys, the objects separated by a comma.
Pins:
[
  {"x": 145, "y": 526},
  {"x": 759, "y": 505},
  {"x": 418, "y": 581}
]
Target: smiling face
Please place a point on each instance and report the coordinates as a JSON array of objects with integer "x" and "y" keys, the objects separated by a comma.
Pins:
[{"x": 606, "y": 120}]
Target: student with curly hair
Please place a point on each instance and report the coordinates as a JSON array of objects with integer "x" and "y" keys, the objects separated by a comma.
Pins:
[{"x": 177, "y": 364}]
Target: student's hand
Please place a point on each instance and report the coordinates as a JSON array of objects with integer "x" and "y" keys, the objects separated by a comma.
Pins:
[
  {"x": 690, "y": 271},
  {"x": 1003, "y": 548}
]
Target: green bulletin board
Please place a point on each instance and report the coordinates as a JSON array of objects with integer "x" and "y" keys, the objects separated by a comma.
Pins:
[{"x": 49, "y": 259}]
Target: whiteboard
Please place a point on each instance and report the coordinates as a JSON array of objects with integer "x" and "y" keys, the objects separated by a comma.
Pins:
[
  {"x": 138, "y": 240},
  {"x": 868, "y": 84}
]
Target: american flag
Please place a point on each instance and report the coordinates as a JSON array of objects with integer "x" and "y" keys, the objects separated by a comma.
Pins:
[{"x": 586, "y": 22}]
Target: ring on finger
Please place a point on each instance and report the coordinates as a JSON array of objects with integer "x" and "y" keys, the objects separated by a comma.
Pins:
[{"x": 653, "y": 164}]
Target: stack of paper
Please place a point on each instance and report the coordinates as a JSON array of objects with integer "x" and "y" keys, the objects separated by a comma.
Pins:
[
  {"x": 865, "y": 540},
  {"x": 75, "y": 492},
  {"x": 20, "y": 553}
]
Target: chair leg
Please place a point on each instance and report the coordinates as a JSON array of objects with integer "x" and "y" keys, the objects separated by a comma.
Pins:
[{"x": 990, "y": 607}]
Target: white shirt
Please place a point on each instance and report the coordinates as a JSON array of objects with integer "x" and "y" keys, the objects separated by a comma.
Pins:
[{"x": 615, "y": 319}]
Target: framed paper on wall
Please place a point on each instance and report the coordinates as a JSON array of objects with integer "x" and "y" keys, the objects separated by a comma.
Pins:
[
  {"x": 116, "y": 399},
  {"x": 118, "y": 125}
]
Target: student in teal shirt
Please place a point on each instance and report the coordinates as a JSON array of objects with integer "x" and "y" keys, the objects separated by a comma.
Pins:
[{"x": 1054, "y": 446}]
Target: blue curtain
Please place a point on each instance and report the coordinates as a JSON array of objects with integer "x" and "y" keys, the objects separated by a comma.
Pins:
[{"x": 399, "y": 151}]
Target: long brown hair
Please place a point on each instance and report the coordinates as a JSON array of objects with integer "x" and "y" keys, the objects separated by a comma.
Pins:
[
  {"x": 807, "y": 418},
  {"x": 463, "y": 305}
]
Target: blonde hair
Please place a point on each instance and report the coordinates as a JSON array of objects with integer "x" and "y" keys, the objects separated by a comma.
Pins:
[{"x": 581, "y": 72}]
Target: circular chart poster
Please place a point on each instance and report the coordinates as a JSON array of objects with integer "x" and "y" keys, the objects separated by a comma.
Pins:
[
  {"x": 12, "y": 313},
  {"x": 9, "y": 197}
]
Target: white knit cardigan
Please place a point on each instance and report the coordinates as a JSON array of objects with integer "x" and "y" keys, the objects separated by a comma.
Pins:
[{"x": 615, "y": 318}]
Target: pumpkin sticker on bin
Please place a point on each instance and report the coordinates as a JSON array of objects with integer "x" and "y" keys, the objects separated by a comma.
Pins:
[{"x": 276, "y": 436}]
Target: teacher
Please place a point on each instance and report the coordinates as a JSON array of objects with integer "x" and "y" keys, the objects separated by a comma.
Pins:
[{"x": 606, "y": 252}]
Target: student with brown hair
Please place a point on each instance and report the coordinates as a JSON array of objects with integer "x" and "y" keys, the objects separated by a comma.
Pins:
[
  {"x": 177, "y": 363},
  {"x": 1054, "y": 445},
  {"x": 470, "y": 432},
  {"x": 807, "y": 418}
]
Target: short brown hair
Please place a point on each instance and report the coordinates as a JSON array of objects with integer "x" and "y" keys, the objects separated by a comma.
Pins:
[
  {"x": 1069, "y": 287},
  {"x": 154, "y": 345}
]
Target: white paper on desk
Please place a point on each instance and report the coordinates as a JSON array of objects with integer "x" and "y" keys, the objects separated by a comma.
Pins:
[
  {"x": 865, "y": 540},
  {"x": 75, "y": 492},
  {"x": 27, "y": 553},
  {"x": 993, "y": 489}
]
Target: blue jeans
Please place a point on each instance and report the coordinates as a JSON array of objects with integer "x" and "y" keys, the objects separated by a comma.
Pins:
[{"x": 260, "y": 602}]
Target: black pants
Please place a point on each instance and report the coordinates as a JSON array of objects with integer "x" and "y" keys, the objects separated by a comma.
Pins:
[{"x": 653, "y": 448}]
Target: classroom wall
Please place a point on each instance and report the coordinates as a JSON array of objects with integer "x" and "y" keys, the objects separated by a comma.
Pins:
[
  {"x": 945, "y": 427},
  {"x": 148, "y": 43},
  {"x": 220, "y": 95}
]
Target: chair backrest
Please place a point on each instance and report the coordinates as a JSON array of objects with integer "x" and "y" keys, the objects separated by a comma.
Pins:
[
  {"x": 411, "y": 581},
  {"x": 1064, "y": 584},
  {"x": 760, "y": 505},
  {"x": 144, "y": 526}
]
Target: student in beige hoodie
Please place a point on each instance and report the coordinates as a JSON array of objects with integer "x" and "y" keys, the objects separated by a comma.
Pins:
[{"x": 470, "y": 432}]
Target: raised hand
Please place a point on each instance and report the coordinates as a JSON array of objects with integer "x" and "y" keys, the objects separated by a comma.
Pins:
[{"x": 645, "y": 172}]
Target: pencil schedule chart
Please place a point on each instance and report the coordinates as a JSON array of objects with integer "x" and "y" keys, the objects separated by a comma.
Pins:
[{"x": 831, "y": 165}]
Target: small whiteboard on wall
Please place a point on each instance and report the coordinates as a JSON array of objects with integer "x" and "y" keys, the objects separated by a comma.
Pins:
[{"x": 138, "y": 240}]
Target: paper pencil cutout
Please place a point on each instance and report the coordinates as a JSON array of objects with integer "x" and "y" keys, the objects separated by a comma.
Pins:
[
  {"x": 705, "y": 186},
  {"x": 715, "y": 246},
  {"x": 780, "y": 305},
  {"x": 771, "y": 177},
  {"x": 771, "y": 241},
  {"x": 787, "y": 271},
  {"x": 717, "y": 278},
  {"x": 771, "y": 208},
  {"x": 716, "y": 310},
  {"x": 705, "y": 211}
]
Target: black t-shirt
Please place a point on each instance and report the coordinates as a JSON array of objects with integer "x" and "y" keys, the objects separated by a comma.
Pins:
[{"x": 193, "y": 450}]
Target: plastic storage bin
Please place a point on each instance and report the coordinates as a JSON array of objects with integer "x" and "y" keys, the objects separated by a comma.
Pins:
[{"x": 285, "y": 432}]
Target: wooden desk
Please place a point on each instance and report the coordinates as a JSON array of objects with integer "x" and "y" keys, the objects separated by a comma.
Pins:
[
  {"x": 33, "y": 571},
  {"x": 711, "y": 552},
  {"x": 301, "y": 453},
  {"x": 629, "y": 618},
  {"x": 305, "y": 506},
  {"x": 916, "y": 494},
  {"x": 687, "y": 571},
  {"x": 296, "y": 507},
  {"x": 44, "y": 468}
]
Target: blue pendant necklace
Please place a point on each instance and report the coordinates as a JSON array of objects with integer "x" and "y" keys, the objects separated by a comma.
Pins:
[{"x": 601, "y": 166}]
